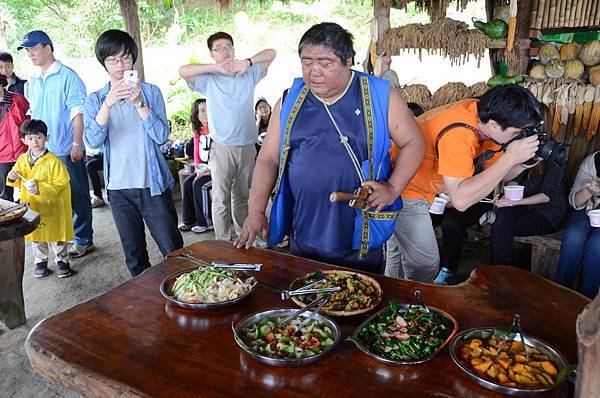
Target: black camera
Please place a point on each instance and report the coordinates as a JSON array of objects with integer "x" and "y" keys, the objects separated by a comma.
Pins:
[{"x": 552, "y": 151}]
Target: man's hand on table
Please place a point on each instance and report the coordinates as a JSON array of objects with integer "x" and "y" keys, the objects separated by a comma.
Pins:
[
  {"x": 382, "y": 194},
  {"x": 256, "y": 223}
]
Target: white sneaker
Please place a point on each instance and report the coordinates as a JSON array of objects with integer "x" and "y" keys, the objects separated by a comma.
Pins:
[
  {"x": 199, "y": 229},
  {"x": 97, "y": 202}
]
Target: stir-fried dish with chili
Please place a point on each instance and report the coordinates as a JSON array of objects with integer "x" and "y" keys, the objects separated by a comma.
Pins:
[{"x": 404, "y": 335}]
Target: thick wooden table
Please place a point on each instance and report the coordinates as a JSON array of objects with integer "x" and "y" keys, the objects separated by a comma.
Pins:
[
  {"x": 12, "y": 265},
  {"x": 131, "y": 342}
]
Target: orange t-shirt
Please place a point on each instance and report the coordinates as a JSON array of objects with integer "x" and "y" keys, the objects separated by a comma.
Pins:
[{"x": 457, "y": 148}]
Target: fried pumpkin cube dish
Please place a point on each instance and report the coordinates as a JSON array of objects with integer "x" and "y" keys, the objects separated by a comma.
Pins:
[{"x": 507, "y": 364}]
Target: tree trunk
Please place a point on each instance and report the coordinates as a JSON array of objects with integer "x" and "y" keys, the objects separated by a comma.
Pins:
[
  {"x": 588, "y": 351},
  {"x": 129, "y": 9}
]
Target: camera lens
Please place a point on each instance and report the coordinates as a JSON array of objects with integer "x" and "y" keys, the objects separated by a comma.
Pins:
[{"x": 552, "y": 151}]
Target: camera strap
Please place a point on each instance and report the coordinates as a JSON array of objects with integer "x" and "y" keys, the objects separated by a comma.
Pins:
[{"x": 478, "y": 161}]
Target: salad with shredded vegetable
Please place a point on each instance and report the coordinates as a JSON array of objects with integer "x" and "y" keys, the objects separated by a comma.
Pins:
[
  {"x": 210, "y": 285},
  {"x": 269, "y": 337}
]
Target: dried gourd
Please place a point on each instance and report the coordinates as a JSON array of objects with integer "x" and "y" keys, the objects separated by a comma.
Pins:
[
  {"x": 573, "y": 69},
  {"x": 590, "y": 53},
  {"x": 569, "y": 51},
  {"x": 548, "y": 52},
  {"x": 538, "y": 72},
  {"x": 555, "y": 68}
]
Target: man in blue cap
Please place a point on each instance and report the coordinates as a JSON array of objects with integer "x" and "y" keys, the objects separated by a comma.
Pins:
[{"x": 56, "y": 96}]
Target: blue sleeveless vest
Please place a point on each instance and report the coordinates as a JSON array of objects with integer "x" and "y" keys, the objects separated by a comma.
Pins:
[{"x": 371, "y": 230}]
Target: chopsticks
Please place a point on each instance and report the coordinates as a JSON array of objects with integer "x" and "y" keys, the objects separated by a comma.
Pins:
[{"x": 486, "y": 200}]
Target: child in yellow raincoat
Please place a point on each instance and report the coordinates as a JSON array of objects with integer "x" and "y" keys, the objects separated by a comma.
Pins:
[{"x": 44, "y": 183}]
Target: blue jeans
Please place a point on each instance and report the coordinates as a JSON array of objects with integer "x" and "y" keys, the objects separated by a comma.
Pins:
[
  {"x": 130, "y": 209},
  {"x": 80, "y": 201},
  {"x": 580, "y": 247}
]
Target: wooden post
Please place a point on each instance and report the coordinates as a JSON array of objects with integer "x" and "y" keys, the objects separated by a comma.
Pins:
[
  {"x": 129, "y": 9},
  {"x": 381, "y": 15},
  {"x": 12, "y": 262},
  {"x": 588, "y": 351},
  {"x": 519, "y": 65}
]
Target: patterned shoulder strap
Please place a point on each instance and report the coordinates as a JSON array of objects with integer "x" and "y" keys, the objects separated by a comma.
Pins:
[
  {"x": 286, "y": 136},
  {"x": 370, "y": 130}
]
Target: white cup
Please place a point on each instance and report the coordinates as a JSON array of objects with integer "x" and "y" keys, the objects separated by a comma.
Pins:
[
  {"x": 29, "y": 184},
  {"x": 594, "y": 216},
  {"x": 446, "y": 197},
  {"x": 514, "y": 192},
  {"x": 438, "y": 206}
]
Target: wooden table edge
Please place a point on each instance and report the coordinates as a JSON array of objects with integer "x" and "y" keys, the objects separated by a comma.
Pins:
[{"x": 72, "y": 376}]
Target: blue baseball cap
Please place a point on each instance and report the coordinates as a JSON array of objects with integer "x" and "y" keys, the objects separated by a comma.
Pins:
[{"x": 34, "y": 38}]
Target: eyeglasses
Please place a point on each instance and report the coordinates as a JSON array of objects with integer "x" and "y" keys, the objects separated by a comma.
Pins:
[
  {"x": 115, "y": 60},
  {"x": 228, "y": 47}
]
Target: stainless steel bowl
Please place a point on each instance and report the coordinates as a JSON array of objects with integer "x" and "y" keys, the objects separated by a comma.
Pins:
[
  {"x": 167, "y": 285},
  {"x": 546, "y": 348},
  {"x": 447, "y": 319},
  {"x": 282, "y": 313}
]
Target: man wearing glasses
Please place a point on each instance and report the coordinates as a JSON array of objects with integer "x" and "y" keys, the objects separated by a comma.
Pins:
[
  {"x": 56, "y": 96},
  {"x": 228, "y": 85},
  {"x": 127, "y": 118}
]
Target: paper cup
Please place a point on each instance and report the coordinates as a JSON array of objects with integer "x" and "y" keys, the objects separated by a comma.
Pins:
[
  {"x": 29, "y": 184},
  {"x": 446, "y": 197},
  {"x": 594, "y": 216},
  {"x": 438, "y": 206},
  {"x": 513, "y": 192}
]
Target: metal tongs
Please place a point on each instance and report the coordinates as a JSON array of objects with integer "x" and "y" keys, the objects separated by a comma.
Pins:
[
  {"x": 418, "y": 300},
  {"x": 512, "y": 332},
  {"x": 237, "y": 266},
  {"x": 320, "y": 303},
  {"x": 304, "y": 290},
  {"x": 219, "y": 264}
]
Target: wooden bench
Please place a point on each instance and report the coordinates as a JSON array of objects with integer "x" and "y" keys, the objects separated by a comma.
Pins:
[{"x": 545, "y": 251}]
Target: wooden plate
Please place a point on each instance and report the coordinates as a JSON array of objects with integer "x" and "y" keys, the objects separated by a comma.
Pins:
[
  {"x": 376, "y": 296},
  {"x": 13, "y": 215}
]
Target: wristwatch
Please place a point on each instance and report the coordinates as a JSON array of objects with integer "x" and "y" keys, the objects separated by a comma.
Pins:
[{"x": 140, "y": 105}]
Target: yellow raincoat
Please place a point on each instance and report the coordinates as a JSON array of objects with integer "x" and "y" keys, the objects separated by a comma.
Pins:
[{"x": 53, "y": 201}]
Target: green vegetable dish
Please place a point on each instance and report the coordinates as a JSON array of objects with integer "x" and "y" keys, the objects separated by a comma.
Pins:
[
  {"x": 268, "y": 337},
  {"x": 402, "y": 334}
]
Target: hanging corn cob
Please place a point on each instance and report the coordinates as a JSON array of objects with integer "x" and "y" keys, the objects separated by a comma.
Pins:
[
  {"x": 595, "y": 117},
  {"x": 588, "y": 99},
  {"x": 512, "y": 25},
  {"x": 578, "y": 110}
]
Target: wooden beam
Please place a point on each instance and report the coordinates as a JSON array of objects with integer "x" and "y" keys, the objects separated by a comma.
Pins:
[{"x": 129, "y": 10}]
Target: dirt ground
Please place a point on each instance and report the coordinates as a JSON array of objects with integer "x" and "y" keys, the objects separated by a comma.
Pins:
[{"x": 97, "y": 273}]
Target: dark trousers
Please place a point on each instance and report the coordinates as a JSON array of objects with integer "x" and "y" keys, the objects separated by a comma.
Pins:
[
  {"x": 80, "y": 200},
  {"x": 196, "y": 201},
  {"x": 580, "y": 249},
  {"x": 93, "y": 167},
  {"x": 515, "y": 221},
  {"x": 6, "y": 192},
  {"x": 130, "y": 209},
  {"x": 454, "y": 227}
]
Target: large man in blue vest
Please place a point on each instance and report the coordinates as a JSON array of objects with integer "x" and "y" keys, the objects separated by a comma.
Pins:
[{"x": 331, "y": 133}]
